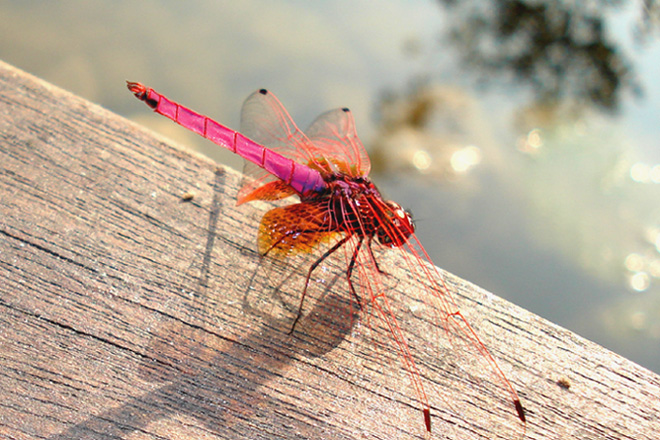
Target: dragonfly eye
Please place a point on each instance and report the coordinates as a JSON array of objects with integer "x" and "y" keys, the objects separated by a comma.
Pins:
[{"x": 397, "y": 226}]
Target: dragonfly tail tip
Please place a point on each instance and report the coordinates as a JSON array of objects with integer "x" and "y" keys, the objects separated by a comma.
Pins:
[
  {"x": 427, "y": 419},
  {"x": 520, "y": 410}
]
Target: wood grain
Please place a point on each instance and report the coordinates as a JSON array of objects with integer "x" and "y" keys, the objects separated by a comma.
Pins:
[{"x": 126, "y": 269}]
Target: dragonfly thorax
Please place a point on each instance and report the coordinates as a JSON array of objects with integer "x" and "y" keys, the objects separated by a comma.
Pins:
[{"x": 359, "y": 208}]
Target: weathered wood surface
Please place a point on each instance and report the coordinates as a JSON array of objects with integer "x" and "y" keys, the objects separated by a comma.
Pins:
[{"x": 122, "y": 311}]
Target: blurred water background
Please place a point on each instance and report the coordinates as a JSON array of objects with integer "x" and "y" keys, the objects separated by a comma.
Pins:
[{"x": 523, "y": 135}]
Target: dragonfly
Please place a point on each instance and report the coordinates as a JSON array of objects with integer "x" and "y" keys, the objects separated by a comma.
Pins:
[{"x": 327, "y": 168}]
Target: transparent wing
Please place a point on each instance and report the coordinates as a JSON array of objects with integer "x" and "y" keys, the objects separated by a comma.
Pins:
[
  {"x": 265, "y": 120},
  {"x": 335, "y": 138},
  {"x": 480, "y": 390},
  {"x": 441, "y": 368}
]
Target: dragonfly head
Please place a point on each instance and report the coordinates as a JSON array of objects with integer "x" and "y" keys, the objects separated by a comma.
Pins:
[{"x": 397, "y": 226}]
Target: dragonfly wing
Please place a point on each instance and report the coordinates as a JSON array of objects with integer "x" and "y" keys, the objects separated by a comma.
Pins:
[
  {"x": 292, "y": 240},
  {"x": 480, "y": 377},
  {"x": 265, "y": 120},
  {"x": 335, "y": 139},
  {"x": 426, "y": 353},
  {"x": 293, "y": 229}
]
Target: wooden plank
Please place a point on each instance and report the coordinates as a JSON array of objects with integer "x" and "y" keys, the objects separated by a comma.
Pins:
[{"x": 128, "y": 312}]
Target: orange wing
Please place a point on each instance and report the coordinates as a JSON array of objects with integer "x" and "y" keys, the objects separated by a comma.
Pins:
[
  {"x": 275, "y": 190},
  {"x": 295, "y": 228}
]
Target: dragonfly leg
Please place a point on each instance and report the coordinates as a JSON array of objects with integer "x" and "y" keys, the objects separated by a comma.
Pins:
[
  {"x": 373, "y": 258},
  {"x": 349, "y": 272},
  {"x": 314, "y": 265}
]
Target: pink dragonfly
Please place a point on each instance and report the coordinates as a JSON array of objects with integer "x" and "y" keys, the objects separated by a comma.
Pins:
[{"x": 339, "y": 207}]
